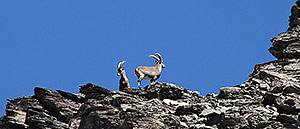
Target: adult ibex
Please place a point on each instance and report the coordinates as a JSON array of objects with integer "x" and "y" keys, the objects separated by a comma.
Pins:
[
  {"x": 152, "y": 73},
  {"x": 124, "y": 83}
]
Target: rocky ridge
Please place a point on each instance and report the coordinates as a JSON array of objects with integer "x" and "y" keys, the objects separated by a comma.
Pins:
[
  {"x": 287, "y": 44},
  {"x": 270, "y": 98}
]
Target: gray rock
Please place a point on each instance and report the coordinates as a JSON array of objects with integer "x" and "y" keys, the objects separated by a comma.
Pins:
[
  {"x": 189, "y": 109},
  {"x": 230, "y": 92},
  {"x": 207, "y": 112},
  {"x": 270, "y": 98},
  {"x": 64, "y": 109},
  {"x": 213, "y": 116},
  {"x": 288, "y": 121},
  {"x": 287, "y": 44},
  {"x": 134, "y": 109}
]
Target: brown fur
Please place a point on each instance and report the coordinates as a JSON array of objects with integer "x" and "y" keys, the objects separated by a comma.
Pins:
[
  {"x": 123, "y": 83},
  {"x": 152, "y": 73}
]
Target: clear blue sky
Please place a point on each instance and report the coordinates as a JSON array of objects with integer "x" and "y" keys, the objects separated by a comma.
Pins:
[{"x": 63, "y": 44}]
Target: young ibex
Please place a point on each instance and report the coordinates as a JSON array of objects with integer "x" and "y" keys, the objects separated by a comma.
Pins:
[
  {"x": 124, "y": 83},
  {"x": 152, "y": 73}
]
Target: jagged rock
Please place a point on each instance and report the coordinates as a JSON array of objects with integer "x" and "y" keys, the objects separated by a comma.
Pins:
[
  {"x": 172, "y": 102},
  {"x": 226, "y": 122},
  {"x": 92, "y": 91},
  {"x": 287, "y": 44},
  {"x": 164, "y": 91},
  {"x": 230, "y": 92},
  {"x": 213, "y": 116},
  {"x": 107, "y": 118},
  {"x": 288, "y": 121},
  {"x": 63, "y": 108},
  {"x": 291, "y": 89},
  {"x": 135, "y": 109},
  {"x": 74, "y": 97},
  {"x": 189, "y": 109},
  {"x": 270, "y": 98},
  {"x": 40, "y": 119}
]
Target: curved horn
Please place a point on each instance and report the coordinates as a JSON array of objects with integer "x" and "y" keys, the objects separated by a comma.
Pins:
[
  {"x": 121, "y": 64},
  {"x": 154, "y": 57},
  {"x": 159, "y": 56}
]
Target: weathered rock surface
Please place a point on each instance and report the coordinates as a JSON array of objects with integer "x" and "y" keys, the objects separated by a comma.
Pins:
[
  {"x": 269, "y": 99},
  {"x": 287, "y": 44}
]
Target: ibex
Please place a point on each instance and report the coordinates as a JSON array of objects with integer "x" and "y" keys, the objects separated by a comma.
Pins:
[
  {"x": 124, "y": 83},
  {"x": 152, "y": 73}
]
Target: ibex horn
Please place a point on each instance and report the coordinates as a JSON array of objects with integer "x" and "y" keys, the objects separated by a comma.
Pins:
[
  {"x": 154, "y": 57},
  {"x": 159, "y": 56},
  {"x": 121, "y": 64}
]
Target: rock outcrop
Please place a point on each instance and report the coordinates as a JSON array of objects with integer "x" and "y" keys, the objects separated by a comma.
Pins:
[
  {"x": 269, "y": 99},
  {"x": 287, "y": 44}
]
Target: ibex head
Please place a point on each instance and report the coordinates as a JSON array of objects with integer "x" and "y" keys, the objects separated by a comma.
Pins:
[
  {"x": 120, "y": 68},
  {"x": 159, "y": 60},
  {"x": 124, "y": 83}
]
